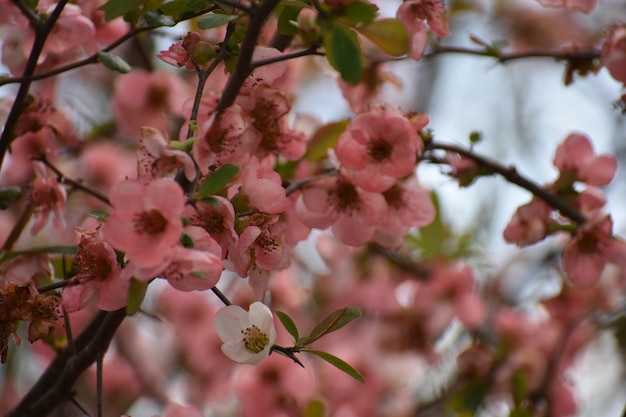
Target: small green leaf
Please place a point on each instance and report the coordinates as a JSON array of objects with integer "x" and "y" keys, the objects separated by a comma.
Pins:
[
  {"x": 217, "y": 180},
  {"x": 116, "y": 8},
  {"x": 114, "y": 62},
  {"x": 288, "y": 324},
  {"x": 201, "y": 275},
  {"x": 325, "y": 138},
  {"x": 214, "y": 20},
  {"x": 136, "y": 294},
  {"x": 343, "y": 52},
  {"x": 157, "y": 19},
  {"x": 333, "y": 322},
  {"x": 389, "y": 35},
  {"x": 337, "y": 363},
  {"x": 360, "y": 12},
  {"x": 7, "y": 195},
  {"x": 180, "y": 9},
  {"x": 99, "y": 214},
  {"x": 286, "y": 20},
  {"x": 520, "y": 390},
  {"x": 521, "y": 412}
]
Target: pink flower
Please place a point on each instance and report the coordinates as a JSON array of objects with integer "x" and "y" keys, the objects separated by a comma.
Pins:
[
  {"x": 577, "y": 161},
  {"x": 190, "y": 52},
  {"x": 614, "y": 53},
  {"x": 380, "y": 146},
  {"x": 223, "y": 139},
  {"x": 148, "y": 99},
  {"x": 261, "y": 187},
  {"x": 98, "y": 273},
  {"x": 145, "y": 222},
  {"x": 582, "y": 5},
  {"x": 177, "y": 410},
  {"x": 413, "y": 13},
  {"x": 352, "y": 213},
  {"x": 408, "y": 206},
  {"x": 217, "y": 218},
  {"x": 368, "y": 89},
  {"x": 48, "y": 196},
  {"x": 588, "y": 252},
  {"x": 529, "y": 224},
  {"x": 156, "y": 159},
  {"x": 71, "y": 30}
]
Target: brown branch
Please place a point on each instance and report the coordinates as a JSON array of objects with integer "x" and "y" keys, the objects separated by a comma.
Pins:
[
  {"x": 511, "y": 175},
  {"x": 503, "y": 57},
  {"x": 258, "y": 15},
  {"x": 55, "y": 385}
]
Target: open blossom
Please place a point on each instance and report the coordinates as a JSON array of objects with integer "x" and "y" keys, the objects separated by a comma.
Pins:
[
  {"x": 380, "y": 146},
  {"x": 614, "y": 53},
  {"x": 529, "y": 224},
  {"x": 48, "y": 196},
  {"x": 352, "y": 213},
  {"x": 98, "y": 274},
  {"x": 577, "y": 161},
  {"x": 413, "y": 14},
  {"x": 260, "y": 187},
  {"x": 145, "y": 221},
  {"x": 586, "y": 255},
  {"x": 156, "y": 159},
  {"x": 247, "y": 336},
  {"x": 217, "y": 218}
]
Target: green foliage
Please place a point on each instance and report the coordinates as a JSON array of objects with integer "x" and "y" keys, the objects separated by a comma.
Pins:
[
  {"x": 343, "y": 52},
  {"x": 8, "y": 195},
  {"x": 215, "y": 20},
  {"x": 325, "y": 138},
  {"x": 519, "y": 384},
  {"x": 117, "y": 8},
  {"x": 114, "y": 62},
  {"x": 181, "y": 9},
  {"x": 438, "y": 240},
  {"x": 136, "y": 294},
  {"x": 469, "y": 399},
  {"x": 289, "y": 325},
  {"x": 156, "y": 18},
  {"x": 337, "y": 363},
  {"x": 99, "y": 214},
  {"x": 333, "y": 322},
  {"x": 217, "y": 180},
  {"x": 359, "y": 12},
  {"x": 288, "y": 12},
  {"x": 388, "y": 34}
]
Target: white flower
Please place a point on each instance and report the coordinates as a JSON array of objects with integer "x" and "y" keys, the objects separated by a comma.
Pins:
[{"x": 247, "y": 336}]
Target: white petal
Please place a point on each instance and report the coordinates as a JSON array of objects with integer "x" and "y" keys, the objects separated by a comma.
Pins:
[
  {"x": 261, "y": 316},
  {"x": 229, "y": 322}
]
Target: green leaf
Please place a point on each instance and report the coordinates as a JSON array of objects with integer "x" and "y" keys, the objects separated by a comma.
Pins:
[
  {"x": 114, "y": 62},
  {"x": 180, "y": 9},
  {"x": 359, "y": 12},
  {"x": 315, "y": 408},
  {"x": 286, "y": 20},
  {"x": 389, "y": 35},
  {"x": 343, "y": 52},
  {"x": 337, "y": 363},
  {"x": 217, "y": 180},
  {"x": 7, "y": 195},
  {"x": 99, "y": 214},
  {"x": 520, "y": 391},
  {"x": 325, "y": 138},
  {"x": 521, "y": 412},
  {"x": 214, "y": 20},
  {"x": 136, "y": 294},
  {"x": 288, "y": 324},
  {"x": 116, "y": 8},
  {"x": 156, "y": 18},
  {"x": 333, "y": 322}
]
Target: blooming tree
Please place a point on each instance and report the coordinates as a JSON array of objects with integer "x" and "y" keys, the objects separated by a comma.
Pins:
[{"x": 161, "y": 225}]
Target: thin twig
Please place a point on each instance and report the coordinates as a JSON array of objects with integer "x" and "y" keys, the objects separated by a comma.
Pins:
[
  {"x": 221, "y": 296},
  {"x": 503, "y": 57},
  {"x": 511, "y": 175}
]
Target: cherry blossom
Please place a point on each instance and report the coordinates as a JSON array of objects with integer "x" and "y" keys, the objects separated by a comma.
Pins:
[
  {"x": 145, "y": 221},
  {"x": 380, "y": 146},
  {"x": 582, "y": 5},
  {"x": 577, "y": 161},
  {"x": 260, "y": 187},
  {"x": 98, "y": 274},
  {"x": 217, "y": 218},
  {"x": 588, "y": 252},
  {"x": 48, "y": 196},
  {"x": 352, "y": 213},
  {"x": 256, "y": 326},
  {"x": 413, "y": 14},
  {"x": 529, "y": 224},
  {"x": 614, "y": 53},
  {"x": 156, "y": 159}
]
